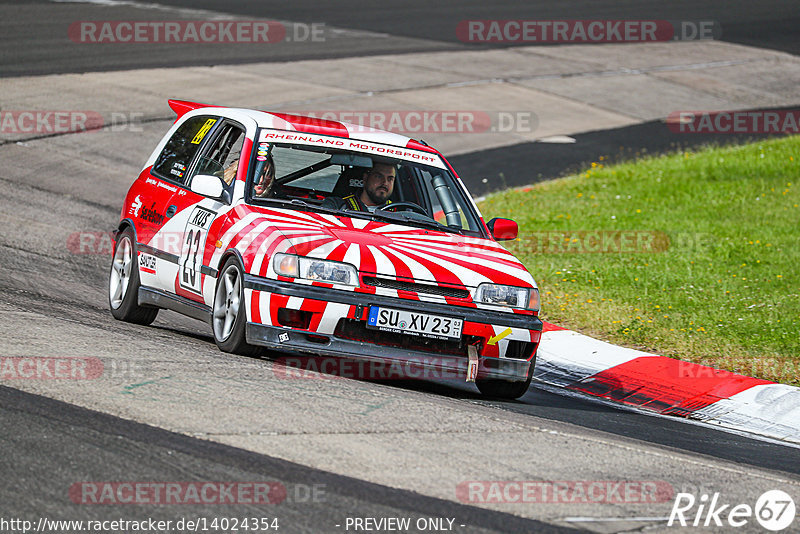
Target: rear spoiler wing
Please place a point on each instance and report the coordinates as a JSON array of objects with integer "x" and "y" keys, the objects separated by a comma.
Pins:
[{"x": 181, "y": 107}]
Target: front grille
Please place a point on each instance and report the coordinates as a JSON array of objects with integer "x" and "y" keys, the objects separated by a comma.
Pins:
[
  {"x": 429, "y": 289},
  {"x": 357, "y": 331}
]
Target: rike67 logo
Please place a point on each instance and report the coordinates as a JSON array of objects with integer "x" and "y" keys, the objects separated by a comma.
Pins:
[{"x": 774, "y": 511}]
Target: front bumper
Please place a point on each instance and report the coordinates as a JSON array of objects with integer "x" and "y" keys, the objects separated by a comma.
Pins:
[
  {"x": 408, "y": 361},
  {"x": 327, "y": 344}
]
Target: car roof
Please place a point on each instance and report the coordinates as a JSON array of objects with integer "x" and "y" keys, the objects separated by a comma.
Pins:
[{"x": 312, "y": 125}]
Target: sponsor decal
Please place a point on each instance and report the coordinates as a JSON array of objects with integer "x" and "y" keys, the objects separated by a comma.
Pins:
[
  {"x": 192, "y": 247},
  {"x": 201, "y": 133},
  {"x": 151, "y": 215},
  {"x": 147, "y": 263},
  {"x": 178, "y": 169},
  {"x": 362, "y": 146},
  {"x": 136, "y": 205},
  {"x": 502, "y": 335}
]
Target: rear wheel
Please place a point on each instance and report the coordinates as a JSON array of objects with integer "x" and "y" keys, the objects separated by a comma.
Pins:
[
  {"x": 229, "y": 317},
  {"x": 123, "y": 284},
  {"x": 503, "y": 389}
]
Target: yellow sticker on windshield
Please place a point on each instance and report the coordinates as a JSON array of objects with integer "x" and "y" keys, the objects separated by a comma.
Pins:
[{"x": 203, "y": 131}]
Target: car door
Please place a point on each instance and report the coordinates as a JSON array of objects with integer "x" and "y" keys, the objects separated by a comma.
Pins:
[
  {"x": 160, "y": 243},
  {"x": 197, "y": 217}
]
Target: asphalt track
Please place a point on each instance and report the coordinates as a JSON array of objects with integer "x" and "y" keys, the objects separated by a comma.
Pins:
[
  {"x": 54, "y": 441},
  {"x": 53, "y": 304},
  {"x": 34, "y": 33}
]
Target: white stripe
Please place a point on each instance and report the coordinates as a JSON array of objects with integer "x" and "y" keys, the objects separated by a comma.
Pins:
[
  {"x": 769, "y": 409},
  {"x": 418, "y": 271},
  {"x": 465, "y": 276},
  {"x": 330, "y": 317},
  {"x": 324, "y": 250},
  {"x": 566, "y": 357},
  {"x": 509, "y": 270}
]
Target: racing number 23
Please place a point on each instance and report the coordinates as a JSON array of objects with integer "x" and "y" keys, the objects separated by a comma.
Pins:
[{"x": 192, "y": 247}]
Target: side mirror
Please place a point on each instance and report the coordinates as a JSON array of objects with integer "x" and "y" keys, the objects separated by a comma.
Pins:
[
  {"x": 207, "y": 185},
  {"x": 503, "y": 229}
]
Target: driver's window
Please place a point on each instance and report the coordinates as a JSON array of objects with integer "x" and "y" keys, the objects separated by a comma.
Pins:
[
  {"x": 447, "y": 210},
  {"x": 221, "y": 157}
]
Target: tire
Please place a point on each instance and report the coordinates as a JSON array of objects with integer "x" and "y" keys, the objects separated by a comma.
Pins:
[
  {"x": 228, "y": 315},
  {"x": 123, "y": 283},
  {"x": 503, "y": 389}
]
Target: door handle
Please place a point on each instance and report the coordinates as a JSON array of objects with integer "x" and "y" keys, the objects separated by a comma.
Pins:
[{"x": 171, "y": 210}]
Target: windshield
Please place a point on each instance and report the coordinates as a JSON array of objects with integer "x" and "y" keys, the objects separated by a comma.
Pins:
[{"x": 363, "y": 185}]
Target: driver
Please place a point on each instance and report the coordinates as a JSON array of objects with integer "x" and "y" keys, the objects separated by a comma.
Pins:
[{"x": 378, "y": 187}]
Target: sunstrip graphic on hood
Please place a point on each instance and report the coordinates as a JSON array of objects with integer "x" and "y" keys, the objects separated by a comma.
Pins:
[{"x": 388, "y": 249}]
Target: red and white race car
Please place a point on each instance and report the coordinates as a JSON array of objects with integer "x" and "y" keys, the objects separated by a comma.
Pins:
[{"x": 315, "y": 236}]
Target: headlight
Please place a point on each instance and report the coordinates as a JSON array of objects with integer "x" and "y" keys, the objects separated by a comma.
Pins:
[
  {"x": 332, "y": 272},
  {"x": 513, "y": 297}
]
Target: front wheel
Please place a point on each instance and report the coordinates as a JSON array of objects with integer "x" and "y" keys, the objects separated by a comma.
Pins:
[
  {"x": 123, "y": 284},
  {"x": 503, "y": 389},
  {"x": 229, "y": 317}
]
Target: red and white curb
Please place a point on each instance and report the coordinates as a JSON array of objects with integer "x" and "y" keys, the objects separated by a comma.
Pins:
[{"x": 579, "y": 363}]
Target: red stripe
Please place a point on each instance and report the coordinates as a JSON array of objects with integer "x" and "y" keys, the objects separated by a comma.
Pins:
[
  {"x": 255, "y": 307},
  {"x": 665, "y": 385},
  {"x": 550, "y": 327},
  {"x": 496, "y": 276}
]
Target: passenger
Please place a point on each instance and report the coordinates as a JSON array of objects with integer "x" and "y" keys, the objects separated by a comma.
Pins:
[{"x": 263, "y": 186}]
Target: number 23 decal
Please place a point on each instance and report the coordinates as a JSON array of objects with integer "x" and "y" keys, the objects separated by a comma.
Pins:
[{"x": 192, "y": 248}]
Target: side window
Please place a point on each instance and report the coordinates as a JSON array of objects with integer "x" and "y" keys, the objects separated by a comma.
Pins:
[
  {"x": 221, "y": 157},
  {"x": 446, "y": 207},
  {"x": 174, "y": 160}
]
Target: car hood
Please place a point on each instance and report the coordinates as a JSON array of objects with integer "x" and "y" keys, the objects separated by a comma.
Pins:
[{"x": 408, "y": 253}]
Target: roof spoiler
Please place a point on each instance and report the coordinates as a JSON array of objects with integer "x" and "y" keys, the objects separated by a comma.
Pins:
[{"x": 181, "y": 107}]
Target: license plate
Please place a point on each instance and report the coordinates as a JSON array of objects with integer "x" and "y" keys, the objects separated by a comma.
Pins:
[{"x": 418, "y": 324}]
